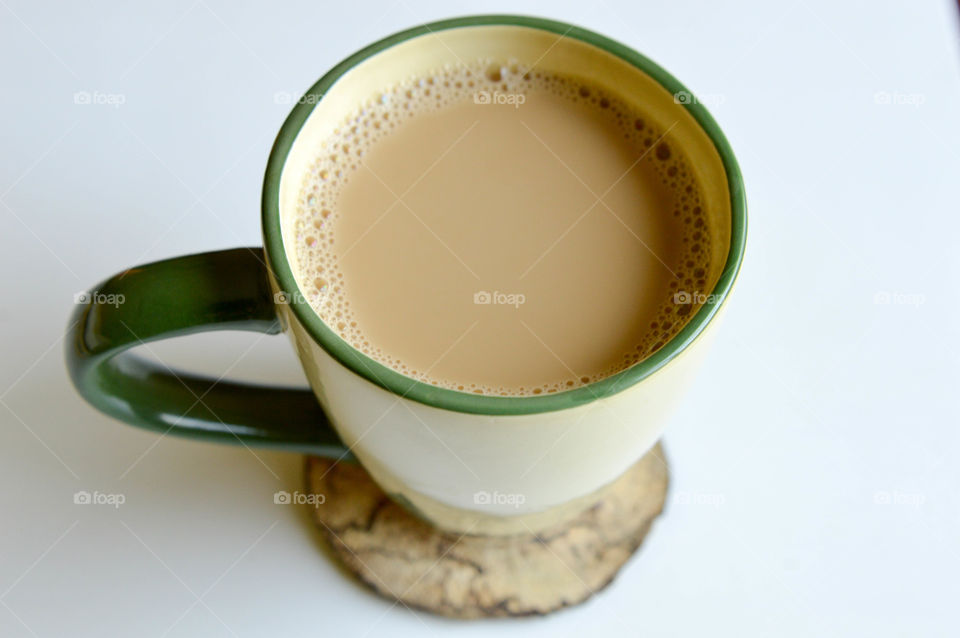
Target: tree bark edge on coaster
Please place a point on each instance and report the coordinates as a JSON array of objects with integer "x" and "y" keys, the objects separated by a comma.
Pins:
[{"x": 405, "y": 559}]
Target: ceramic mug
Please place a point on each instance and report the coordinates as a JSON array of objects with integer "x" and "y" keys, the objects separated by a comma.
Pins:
[{"x": 465, "y": 462}]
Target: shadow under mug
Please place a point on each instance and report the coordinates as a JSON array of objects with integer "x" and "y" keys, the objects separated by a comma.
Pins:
[{"x": 465, "y": 462}]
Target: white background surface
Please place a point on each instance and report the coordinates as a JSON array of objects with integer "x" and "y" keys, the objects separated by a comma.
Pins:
[{"x": 815, "y": 464}]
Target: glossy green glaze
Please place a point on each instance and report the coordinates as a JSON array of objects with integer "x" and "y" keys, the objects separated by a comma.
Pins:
[{"x": 225, "y": 290}]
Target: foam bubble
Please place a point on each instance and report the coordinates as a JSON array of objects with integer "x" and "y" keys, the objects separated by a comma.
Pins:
[{"x": 317, "y": 213}]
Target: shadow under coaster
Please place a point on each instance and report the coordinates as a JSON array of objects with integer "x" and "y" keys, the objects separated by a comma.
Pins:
[{"x": 406, "y": 559}]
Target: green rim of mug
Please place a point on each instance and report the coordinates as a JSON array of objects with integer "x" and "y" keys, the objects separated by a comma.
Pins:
[{"x": 459, "y": 401}]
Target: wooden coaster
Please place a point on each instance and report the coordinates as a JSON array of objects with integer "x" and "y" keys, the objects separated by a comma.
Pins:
[{"x": 406, "y": 559}]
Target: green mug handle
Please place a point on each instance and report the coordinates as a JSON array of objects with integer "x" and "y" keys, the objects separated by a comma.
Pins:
[{"x": 222, "y": 290}]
